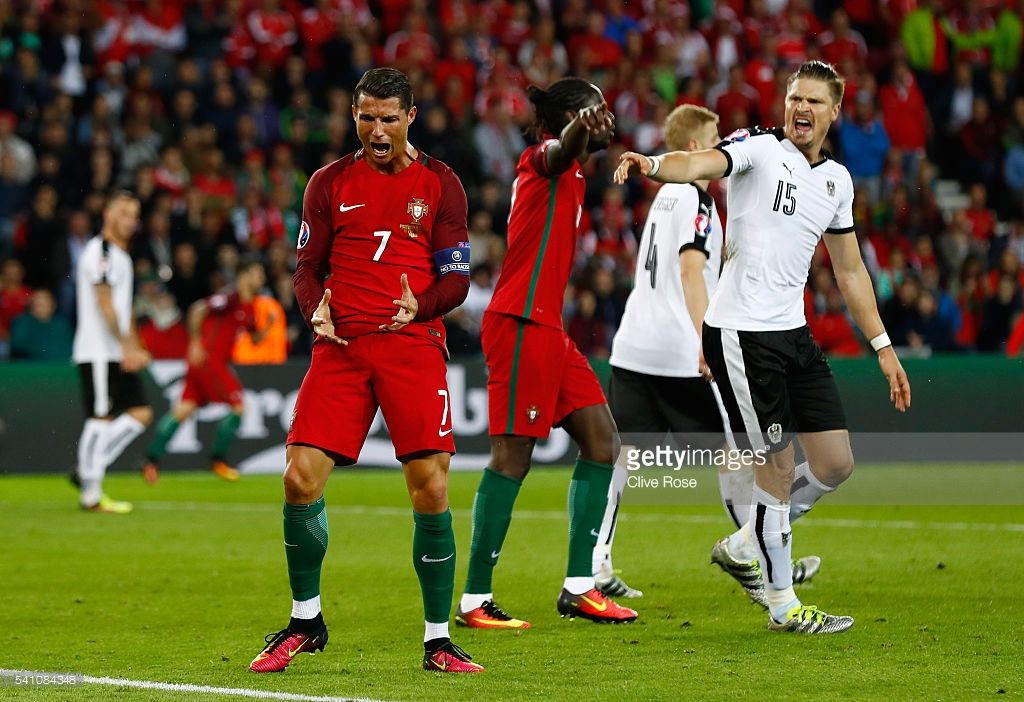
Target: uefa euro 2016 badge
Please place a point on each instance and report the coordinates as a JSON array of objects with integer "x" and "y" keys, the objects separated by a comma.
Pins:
[
  {"x": 531, "y": 414},
  {"x": 303, "y": 235}
]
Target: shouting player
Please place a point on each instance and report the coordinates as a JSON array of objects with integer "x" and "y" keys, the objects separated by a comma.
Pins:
[
  {"x": 214, "y": 325},
  {"x": 383, "y": 226},
  {"x": 659, "y": 387},
  {"x": 537, "y": 378},
  {"x": 785, "y": 194},
  {"x": 108, "y": 353}
]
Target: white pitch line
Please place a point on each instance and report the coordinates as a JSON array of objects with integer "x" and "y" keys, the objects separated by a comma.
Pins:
[
  {"x": 184, "y": 687},
  {"x": 631, "y": 517}
]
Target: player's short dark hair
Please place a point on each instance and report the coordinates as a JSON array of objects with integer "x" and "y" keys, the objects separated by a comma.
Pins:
[
  {"x": 383, "y": 83},
  {"x": 826, "y": 73},
  {"x": 247, "y": 262},
  {"x": 568, "y": 94},
  {"x": 121, "y": 194}
]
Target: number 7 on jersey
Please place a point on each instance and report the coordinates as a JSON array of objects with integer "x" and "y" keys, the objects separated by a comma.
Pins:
[{"x": 385, "y": 234}]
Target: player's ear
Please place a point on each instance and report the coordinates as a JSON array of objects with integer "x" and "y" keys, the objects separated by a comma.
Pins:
[
  {"x": 412, "y": 114},
  {"x": 355, "y": 114}
]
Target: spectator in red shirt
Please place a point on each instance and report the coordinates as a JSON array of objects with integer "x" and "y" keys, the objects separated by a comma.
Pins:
[
  {"x": 832, "y": 329},
  {"x": 273, "y": 33},
  {"x": 738, "y": 96},
  {"x": 841, "y": 42},
  {"x": 905, "y": 114},
  {"x": 15, "y": 297},
  {"x": 604, "y": 53},
  {"x": 589, "y": 333},
  {"x": 981, "y": 218},
  {"x": 979, "y": 139}
]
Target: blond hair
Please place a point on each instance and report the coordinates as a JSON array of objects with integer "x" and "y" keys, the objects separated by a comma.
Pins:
[
  {"x": 826, "y": 73},
  {"x": 684, "y": 123}
]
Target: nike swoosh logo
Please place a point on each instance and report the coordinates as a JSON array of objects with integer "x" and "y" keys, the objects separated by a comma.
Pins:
[
  {"x": 425, "y": 559},
  {"x": 495, "y": 554},
  {"x": 291, "y": 654},
  {"x": 511, "y": 624},
  {"x": 593, "y": 532},
  {"x": 599, "y": 607},
  {"x": 345, "y": 208},
  {"x": 581, "y": 176},
  {"x": 288, "y": 544},
  {"x": 446, "y": 432}
]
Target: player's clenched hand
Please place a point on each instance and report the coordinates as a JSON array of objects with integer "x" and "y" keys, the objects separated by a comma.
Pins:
[
  {"x": 631, "y": 163},
  {"x": 899, "y": 384},
  {"x": 134, "y": 358},
  {"x": 703, "y": 367},
  {"x": 323, "y": 325},
  {"x": 596, "y": 118},
  {"x": 408, "y": 307}
]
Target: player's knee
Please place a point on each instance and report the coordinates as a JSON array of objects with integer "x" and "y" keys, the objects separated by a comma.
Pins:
[
  {"x": 143, "y": 415},
  {"x": 431, "y": 497},
  {"x": 300, "y": 482},
  {"x": 837, "y": 470}
]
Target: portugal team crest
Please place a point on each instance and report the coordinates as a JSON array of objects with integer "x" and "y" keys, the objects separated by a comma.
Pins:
[
  {"x": 830, "y": 186},
  {"x": 303, "y": 235},
  {"x": 418, "y": 209},
  {"x": 531, "y": 414}
]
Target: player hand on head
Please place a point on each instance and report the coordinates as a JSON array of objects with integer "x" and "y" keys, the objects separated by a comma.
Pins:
[
  {"x": 408, "y": 308},
  {"x": 323, "y": 325},
  {"x": 596, "y": 118},
  {"x": 899, "y": 384},
  {"x": 630, "y": 164}
]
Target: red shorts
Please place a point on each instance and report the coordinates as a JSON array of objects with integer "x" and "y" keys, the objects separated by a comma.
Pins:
[
  {"x": 403, "y": 374},
  {"x": 211, "y": 384},
  {"x": 536, "y": 376}
]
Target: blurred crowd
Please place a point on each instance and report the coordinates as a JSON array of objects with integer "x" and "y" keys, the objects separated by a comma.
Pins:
[{"x": 216, "y": 112}]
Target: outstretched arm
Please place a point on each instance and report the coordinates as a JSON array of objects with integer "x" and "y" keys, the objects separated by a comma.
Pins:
[
  {"x": 575, "y": 137},
  {"x": 855, "y": 285},
  {"x": 674, "y": 167}
]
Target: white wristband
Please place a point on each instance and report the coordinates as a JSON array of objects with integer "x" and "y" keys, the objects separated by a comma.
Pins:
[
  {"x": 655, "y": 166},
  {"x": 880, "y": 342}
]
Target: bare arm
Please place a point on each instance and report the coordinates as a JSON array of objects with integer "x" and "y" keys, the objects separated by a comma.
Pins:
[
  {"x": 196, "y": 314},
  {"x": 859, "y": 294},
  {"x": 133, "y": 357},
  {"x": 109, "y": 314},
  {"x": 575, "y": 137},
  {"x": 674, "y": 167},
  {"x": 695, "y": 292}
]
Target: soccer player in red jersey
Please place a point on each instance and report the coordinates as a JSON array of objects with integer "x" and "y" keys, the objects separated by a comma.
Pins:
[
  {"x": 214, "y": 324},
  {"x": 383, "y": 226},
  {"x": 538, "y": 379}
]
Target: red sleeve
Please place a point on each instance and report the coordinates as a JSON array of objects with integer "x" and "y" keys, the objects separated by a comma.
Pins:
[
  {"x": 451, "y": 231},
  {"x": 314, "y": 244},
  {"x": 538, "y": 158}
]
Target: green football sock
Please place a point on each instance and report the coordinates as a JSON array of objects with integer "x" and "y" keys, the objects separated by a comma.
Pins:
[
  {"x": 492, "y": 514},
  {"x": 588, "y": 497},
  {"x": 305, "y": 543},
  {"x": 226, "y": 430},
  {"x": 165, "y": 429},
  {"x": 433, "y": 554}
]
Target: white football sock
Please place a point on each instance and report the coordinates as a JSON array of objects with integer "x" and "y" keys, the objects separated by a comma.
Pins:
[
  {"x": 734, "y": 487},
  {"x": 470, "y": 602},
  {"x": 579, "y": 585},
  {"x": 602, "y": 558},
  {"x": 435, "y": 631},
  {"x": 91, "y": 445},
  {"x": 741, "y": 542},
  {"x": 773, "y": 539},
  {"x": 306, "y": 609},
  {"x": 121, "y": 433},
  {"x": 806, "y": 490}
]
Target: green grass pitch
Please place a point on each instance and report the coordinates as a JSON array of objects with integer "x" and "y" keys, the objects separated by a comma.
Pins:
[{"x": 184, "y": 589}]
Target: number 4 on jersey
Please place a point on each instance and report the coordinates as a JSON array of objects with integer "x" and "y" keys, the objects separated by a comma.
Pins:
[{"x": 651, "y": 264}]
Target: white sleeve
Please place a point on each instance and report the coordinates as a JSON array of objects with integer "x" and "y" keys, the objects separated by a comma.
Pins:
[
  {"x": 744, "y": 150},
  {"x": 95, "y": 265},
  {"x": 842, "y": 223}
]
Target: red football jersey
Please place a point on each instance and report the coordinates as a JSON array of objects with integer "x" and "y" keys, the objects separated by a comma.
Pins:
[
  {"x": 227, "y": 316},
  {"x": 542, "y": 227},
  {"x": 363, "y": 229}
]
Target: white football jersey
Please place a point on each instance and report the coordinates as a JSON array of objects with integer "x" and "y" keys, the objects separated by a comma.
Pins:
[
  {"x": 102, "y": 262},
  {"x": 656, "y": 336},
  {"x": 779, "y": 207}
]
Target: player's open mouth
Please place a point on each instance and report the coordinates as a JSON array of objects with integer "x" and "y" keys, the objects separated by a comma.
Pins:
[
  {"x": 380, "y": 149},
  {"x": 802, "y": 126}
]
